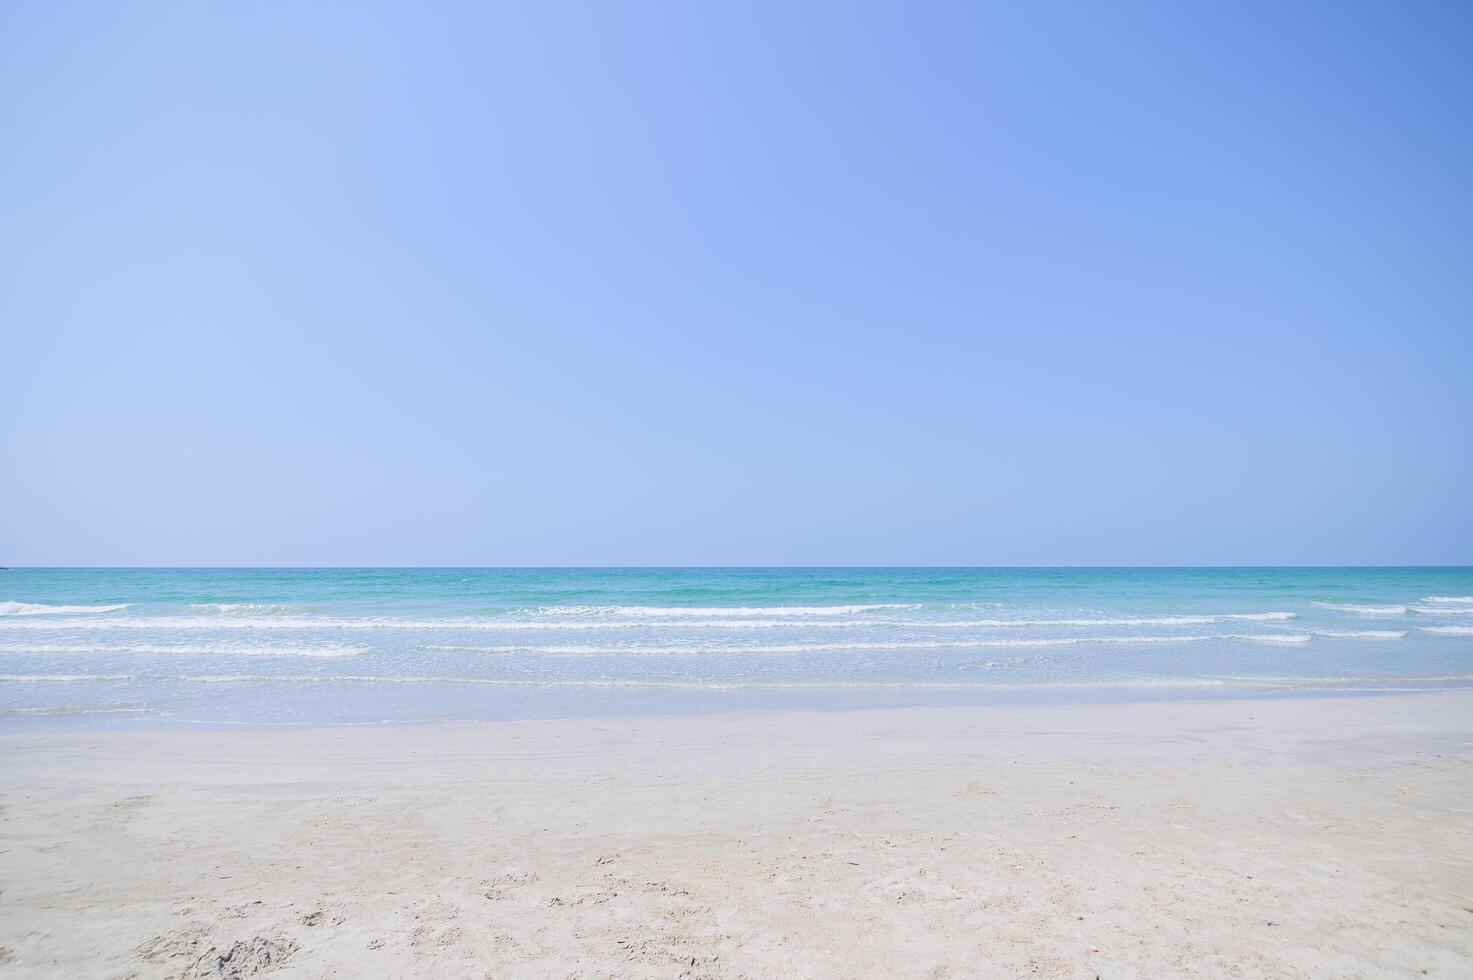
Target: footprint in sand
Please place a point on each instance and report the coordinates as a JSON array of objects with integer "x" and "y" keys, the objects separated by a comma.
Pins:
[{"x": 507, "y": 883}]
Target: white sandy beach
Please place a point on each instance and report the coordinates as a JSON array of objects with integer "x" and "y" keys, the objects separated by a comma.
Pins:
[{"x": 1289, "y": 838}]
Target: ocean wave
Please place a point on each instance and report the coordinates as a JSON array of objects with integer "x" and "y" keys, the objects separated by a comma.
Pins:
[
  {"x": 754, "y": 649},
  {"x": 1275, "y": 638},
  {"x": 231, "y": 623},
  {"x": 244, "y": 608},
  {"x": 42, "y": 609},
  {"x": 1448, "y": 610},
  {"x": 61, "y": 678},
  {"x": 1184, "y": 620},
  {"x": 1364, "y": 610},
  {"x": 1363, "y": 634},
  {"x": 1145, "y": 682},
  {"x": 1344, "y": 683},
  {"x": 1448, "y": 630},
  {"x": 606, "y": 650},
  {"x": 1455, "y": 600},
  {"x": 222, "y": 623},
  {"x": 81, "y": 709},
  {"x": 1299, "y": 681},
  {"x": 721, "y": 611},
  {"x": 198, "y": 649}
]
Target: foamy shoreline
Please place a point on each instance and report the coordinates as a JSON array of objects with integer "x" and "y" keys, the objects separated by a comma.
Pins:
[{"x": 1325, "y": 836}]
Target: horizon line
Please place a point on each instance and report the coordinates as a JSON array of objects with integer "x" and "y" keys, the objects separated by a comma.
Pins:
[{"x": 620, "y": 568}]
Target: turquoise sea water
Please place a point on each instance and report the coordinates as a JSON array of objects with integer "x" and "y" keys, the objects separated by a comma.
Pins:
[{"x": 87, "y": 647}]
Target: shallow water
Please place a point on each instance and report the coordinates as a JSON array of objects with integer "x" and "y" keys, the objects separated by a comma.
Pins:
[{"x": 84, "y": 647}]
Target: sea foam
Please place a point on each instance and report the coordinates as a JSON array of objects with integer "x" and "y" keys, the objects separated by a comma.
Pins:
[
  {"x": 720, "y": 611},
  {"x": 715, "y": 686},
  {"x": 1275, "y": 638},
  {"x": 196, "y": 649},
  {"x": 244, "y": 621},
  {"x": 1363, "y": 634},
  {"x": 42, "y": 609},
  {"x": 245, "y": 608},
  {"x": 61, "y": 678},
  {"x": 1364, "y": 610},
  {"x": 764, "y": 649}
]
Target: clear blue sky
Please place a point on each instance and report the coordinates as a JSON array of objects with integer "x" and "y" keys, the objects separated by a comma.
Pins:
[{"x": 745, "y": 283}]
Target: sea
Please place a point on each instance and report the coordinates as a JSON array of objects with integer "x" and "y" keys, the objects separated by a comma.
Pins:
[{"x": 263, "y": 647}]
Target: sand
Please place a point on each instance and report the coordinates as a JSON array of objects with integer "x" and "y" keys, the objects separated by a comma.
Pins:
[{"x": 1308, "y": 837}]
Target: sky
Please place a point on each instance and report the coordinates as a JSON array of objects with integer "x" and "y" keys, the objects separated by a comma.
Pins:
[{"x": 633, "y": 283}]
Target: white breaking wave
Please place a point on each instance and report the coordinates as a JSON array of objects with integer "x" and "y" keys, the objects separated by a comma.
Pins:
[
  {"x": 232, "y": 623},
  {"x": 1200, "y": 620},
  {"x": 1448, "y": 630},
  {"x": 1310, "y": 681},
  {"x": 594, "y": 650},
  {"x": 61, "y": 678},
  {"x": 1457, "y": 600},
  {"x": 243, "y": 608},
  {"x": 606, "y": 650},
  {"x": 718, "y": 611},
  {"x": 702, "y": 685},
  {"x": 1275, "y": 638},
  {"x": 246, "y": 622},
  {"x": 1448, "y": 610},
  {"x": 1363, "y": 634},
  {"x": 1360, "y": 610},
  {"x": 1363, "y": 683},
  {"x": 224, "y": 623},
  {"x": 42, "y": 609},
  {"x": 80, "y": 709},
  {"x": 207, "y": 649}
]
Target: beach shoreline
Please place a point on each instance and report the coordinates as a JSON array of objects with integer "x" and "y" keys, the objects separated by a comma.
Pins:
[{"x": 1324, "y": 836}]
